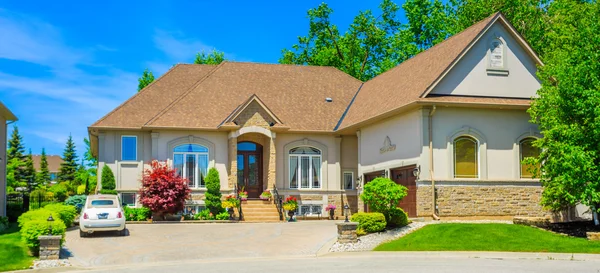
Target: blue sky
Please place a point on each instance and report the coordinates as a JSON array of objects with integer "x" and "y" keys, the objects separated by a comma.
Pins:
[{"x": 63, "y": 65}]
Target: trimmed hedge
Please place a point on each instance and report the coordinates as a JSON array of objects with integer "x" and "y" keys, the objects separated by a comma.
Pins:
[
  {"x": 34, "y": 228},
  {"x": 370, "y": 221},
  {"x": 38, "y": 214},
  {"x": 398, "y": 218},
  {"x": 107, "y": 181},
  {"x": 66, "y": 213},
  {"x": 137, "y": 214}
]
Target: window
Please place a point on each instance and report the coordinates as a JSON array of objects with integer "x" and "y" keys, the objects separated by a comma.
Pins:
[
  {"x": 305, "y": 168},
  {"x": 496, "y": 54},
  {"x": 311, "y": 209},
  {"x": 193, "y": 209},
  {"x": 527, "y": 149},
  {"x": 129, "y": 148},
  {"x": 128, "y": 198},
  {"x": 191, "y": 162},
  {"x": 348, "y": 180},
  {"x": 466, "y": 159}
]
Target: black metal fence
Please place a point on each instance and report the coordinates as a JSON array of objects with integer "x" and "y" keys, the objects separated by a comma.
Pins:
[{"x": 20, "y": 202}]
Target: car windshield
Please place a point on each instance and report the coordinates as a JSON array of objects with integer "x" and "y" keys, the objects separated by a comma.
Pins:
[{"x": 103, "y": 203}]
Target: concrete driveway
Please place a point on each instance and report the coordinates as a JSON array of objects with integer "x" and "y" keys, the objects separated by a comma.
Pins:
[{"x": 178, "y": 242}]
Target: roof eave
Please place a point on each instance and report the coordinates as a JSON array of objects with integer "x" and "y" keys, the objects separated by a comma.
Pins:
[{"x": 8, "y": 115}]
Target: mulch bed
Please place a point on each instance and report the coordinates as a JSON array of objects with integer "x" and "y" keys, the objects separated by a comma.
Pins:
[{"x": 576, "y": 229}]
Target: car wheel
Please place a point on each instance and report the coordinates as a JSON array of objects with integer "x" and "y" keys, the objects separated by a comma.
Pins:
[
  {"x": 82, "y": 234},
  {"x": 123, "y": 232}
]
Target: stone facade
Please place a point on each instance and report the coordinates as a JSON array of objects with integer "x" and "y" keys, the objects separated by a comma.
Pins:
[
  {"x": 254, "y": 115},
  {"x": 347, "y": 232},
  {"x": 339, "y": 200},
  {"x": 481, "y": 200},
  {"x": 49, "y": 247}
]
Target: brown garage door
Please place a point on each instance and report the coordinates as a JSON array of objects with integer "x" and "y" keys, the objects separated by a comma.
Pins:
[{"x": 404, "y": 176}]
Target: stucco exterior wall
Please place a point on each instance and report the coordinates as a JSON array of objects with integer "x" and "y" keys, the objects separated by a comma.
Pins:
[
  {"x": 3, "y": 144},
  {"x": 470, "y": 76}
]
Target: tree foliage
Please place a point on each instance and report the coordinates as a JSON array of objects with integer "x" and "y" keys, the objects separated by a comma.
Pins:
[
  {"x": 146, "y": 79},
  {"x": 17, "y": 175},
  {"x": 68, "y": 167},
  {"x": 107, "y": 181},
  {"x": 43, "y": 176},
  {"x": 567, "y": 109},
  {"x": 382, "y": 195},
  {"x": 163, "y": 190},
  {"x": 213, "y": 192},
  {"x": 15, "y": 145},
  {"x": 214, "y": 57},
  {"x": 29, "y": 172}
]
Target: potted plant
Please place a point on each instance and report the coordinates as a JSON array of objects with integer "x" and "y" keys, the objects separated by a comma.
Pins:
[
  {"x": 230, "y": 203},
  {"x": 243, "y": 194},
  {"x": 266, "y": 195},
  {"x": 290, "y": 204},
  {"x": 331, "y": 208}
]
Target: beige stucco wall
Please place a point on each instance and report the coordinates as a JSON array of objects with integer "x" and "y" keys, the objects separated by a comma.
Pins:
[
  {"x": 470, "y": 77},
  {"x": 3, "y": 144}
]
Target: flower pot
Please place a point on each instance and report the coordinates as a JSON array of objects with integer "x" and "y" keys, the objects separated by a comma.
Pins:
[
  {"x": 291, "y": 215},
  {"x": 331, "y": 214}
]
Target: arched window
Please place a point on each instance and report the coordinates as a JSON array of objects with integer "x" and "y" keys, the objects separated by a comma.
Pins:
[
  {"x": 191, "y": 162},
  {"x": 305, "y": 168},
  {"x": 466, "y": 157},
  {"x": 527, "y": 149}
]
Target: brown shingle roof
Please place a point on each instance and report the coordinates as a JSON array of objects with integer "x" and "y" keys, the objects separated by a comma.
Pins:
[
  {"x": 53, "y": 162},
  {"x": 295, "y": 93},
  {"x": 147, "y": 103},
  {"x": 405, "y": 83},
  {"x": 467, "y": 100}
]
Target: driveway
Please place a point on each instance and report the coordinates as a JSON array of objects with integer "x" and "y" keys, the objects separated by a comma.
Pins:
[{"x": 178, "y": 242}]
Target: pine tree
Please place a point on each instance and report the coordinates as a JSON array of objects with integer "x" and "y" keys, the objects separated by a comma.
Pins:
[
  {"x": 43, "y": 176},
  {"x": 108, "y": 181},
  {"x": 16, "y": 158},
  {"x": 29, "y": 172},
  {"x": 15, "y": 146},
  {"x": 146, "y": 79},
  {"x": 68, "y": 167}
]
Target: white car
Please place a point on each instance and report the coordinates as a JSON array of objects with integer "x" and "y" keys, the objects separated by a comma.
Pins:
[{"x": 102, "y": 213}]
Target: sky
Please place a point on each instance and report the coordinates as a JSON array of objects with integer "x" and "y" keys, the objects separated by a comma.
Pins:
[{"x": 65, "y": 64}]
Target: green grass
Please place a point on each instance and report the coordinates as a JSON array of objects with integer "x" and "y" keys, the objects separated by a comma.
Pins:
[
  {"x": 13, "y": 251},
  {"x": 488, "y": 237}
]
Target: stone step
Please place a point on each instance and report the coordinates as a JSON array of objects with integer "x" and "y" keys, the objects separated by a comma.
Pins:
[{"x": 261, "y": 214}]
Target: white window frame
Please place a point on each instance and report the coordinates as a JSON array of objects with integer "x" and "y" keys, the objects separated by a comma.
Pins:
[
  {"x": 195, "y": 207},
  {"x": 196, "y": 169},
  {"x": 344, "y": 180},
  {"x": 310, "y": 169},
  {"x": 520, "y": 155},
  {"x": 477, "y": 150},
  {"x": 299, "y": 209},
  {"x": 136, "y": 148},
  {"x": 135, "y": 199}
]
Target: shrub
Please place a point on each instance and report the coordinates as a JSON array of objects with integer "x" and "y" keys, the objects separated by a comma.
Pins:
[
  {"x": 107, "y": 181},
  {"x": 59, "y": 191},
  {"x": 137, "y": 214},
  {"x": 66, "y": 213},
  {"x": 382, "y": 195},
  {"x": 78, "y": 201},
  {"x": 370, "y": 221},
  {"x": 222, "y": 216},
  {"x": 163, "y": 190},
  {"x": 398, "y": 218},
  {"x": 34, "y": 228},
  {"x": 38, "y": 214},
  {"x": 13, "y": 211},
  {"x": 213, "y": 192},
  {"x": 81, "y": 189},
  {"x": 360, "y": 232},
  {"x": 204, "y": 215},
  {"x": 3, "y": 223}
]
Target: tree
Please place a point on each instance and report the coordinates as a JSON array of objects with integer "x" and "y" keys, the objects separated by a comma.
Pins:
[
  {"x": 108, "y": 181},
  {"x": 68, "y": 167},
  {"x": 146, "y": 79},
  {"x": 382, "y": 195},
  {"x": 163, "y": 191},
  {"x": 43, "y": 176},
  {"x": 16, "y": 158},
  {"x": 91, "y": 167},
  {"x": 430, "y": 22},
  {"x": 12, "y": 169},
  {"x": 213, "y": 192},
  {"x": 567, "y": 107},
  {"x": 29, "y": 172},
  {"x": 214, "y": 57}
]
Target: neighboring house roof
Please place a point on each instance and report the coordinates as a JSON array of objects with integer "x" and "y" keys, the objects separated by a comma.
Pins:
[
  {"x": 409, "y": 82},
  {"x": 54, "y": 162},
  {"x": 200, "y": 97},
  {"x": 6, "y": 113}
]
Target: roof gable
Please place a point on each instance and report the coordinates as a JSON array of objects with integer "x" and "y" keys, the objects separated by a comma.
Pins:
[{"x": 254, "y": 105}]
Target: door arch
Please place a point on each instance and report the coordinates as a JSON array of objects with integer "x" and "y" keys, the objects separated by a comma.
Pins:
[{"x": 249, "y": 168}]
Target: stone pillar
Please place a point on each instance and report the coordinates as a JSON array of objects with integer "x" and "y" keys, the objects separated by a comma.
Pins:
[
  {"x": 347, "y": 232},
  {"x": 232, "y": 153},
  {"x": 49, "y": 247},
  {"x": 271, "y": 176}
]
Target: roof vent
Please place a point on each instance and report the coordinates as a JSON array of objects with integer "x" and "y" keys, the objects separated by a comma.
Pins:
[{"x": 328, "y": 99}]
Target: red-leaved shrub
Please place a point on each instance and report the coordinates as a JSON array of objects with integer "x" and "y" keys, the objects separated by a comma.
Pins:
[{"x": 163, "y": 190}]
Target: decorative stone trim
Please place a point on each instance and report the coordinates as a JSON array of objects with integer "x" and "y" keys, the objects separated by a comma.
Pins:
[
  {"x": 347, "y": 232},
  {"x": 49, "y": 247}
]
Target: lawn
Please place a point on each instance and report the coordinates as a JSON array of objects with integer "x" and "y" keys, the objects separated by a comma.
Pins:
[
  {"x": 488, "y": 237},
  {"x": 13, "y": 251}
]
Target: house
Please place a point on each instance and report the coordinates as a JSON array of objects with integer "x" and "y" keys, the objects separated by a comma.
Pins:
[
  {"x": 6, "y": 117},
  {"x": 54, "y": 162},
  {"x": 452, "y": 118}
]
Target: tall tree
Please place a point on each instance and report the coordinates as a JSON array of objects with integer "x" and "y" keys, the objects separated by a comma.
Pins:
[
  {"x": 16, "y": 157},
  {"x": 146, "y": 79},
  {"x": 29, "y": 172},
  {"x": 429, "y": 21},
  {"x": 68, "y": 167},
  {"x": 91, "y": 164},
  {"x": 567, "y": 108},
  {"x": 214, "y": 57},
  {"x": 43, "y": 176}
]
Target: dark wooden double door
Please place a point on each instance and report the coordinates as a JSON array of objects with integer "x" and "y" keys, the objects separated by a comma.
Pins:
[
  {"x": 249, "y": 170},
  {"x": 402, "y": 176}
]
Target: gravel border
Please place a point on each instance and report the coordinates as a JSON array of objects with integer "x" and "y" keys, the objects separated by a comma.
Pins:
[
  {"x": 38, "y": 264},
  {"x": 370, "y": 241}
]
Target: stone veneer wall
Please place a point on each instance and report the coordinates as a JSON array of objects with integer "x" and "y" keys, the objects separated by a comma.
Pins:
[
  {"x": 340, "y": 199},
  {"x": 482, "y": 200}
]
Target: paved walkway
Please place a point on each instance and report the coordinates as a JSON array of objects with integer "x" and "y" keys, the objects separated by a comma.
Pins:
[{"x": 177, "y": 242}]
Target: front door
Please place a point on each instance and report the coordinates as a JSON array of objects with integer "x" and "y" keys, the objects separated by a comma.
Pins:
[
  {"x": 404, "y": 176},
  {"x": 249, "y": 162}
]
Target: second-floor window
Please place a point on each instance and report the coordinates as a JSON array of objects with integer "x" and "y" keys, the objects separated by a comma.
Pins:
[{"x": 129, "y": 148}]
